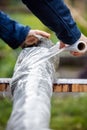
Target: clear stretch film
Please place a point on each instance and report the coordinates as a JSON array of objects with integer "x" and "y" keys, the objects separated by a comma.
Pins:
[
  {"x": 32, "y": 89},
  {"x": 32, "y": 86},
  {"x": 79, "y": 46}
]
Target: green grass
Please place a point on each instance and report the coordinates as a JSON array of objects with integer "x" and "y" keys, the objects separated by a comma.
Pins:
[
  {"x": 5, "y": 110},
  {"x": 68, "y": 112}
]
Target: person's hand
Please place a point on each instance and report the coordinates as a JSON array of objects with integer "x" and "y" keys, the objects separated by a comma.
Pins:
[
  {"x": 75, "y": 53},
  {"x": 84, "y": 39},
  {"x": 31, "y": 39}
]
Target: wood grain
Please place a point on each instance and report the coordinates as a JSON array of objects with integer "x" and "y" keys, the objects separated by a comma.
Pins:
[{"x": 61, "y": 85}]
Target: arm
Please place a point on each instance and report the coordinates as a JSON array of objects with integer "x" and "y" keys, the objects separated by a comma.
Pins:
[
  {"x": 56, "y": 15},
  {"x": 11, "y": 31},
  {"x": 15, "y": 34}
]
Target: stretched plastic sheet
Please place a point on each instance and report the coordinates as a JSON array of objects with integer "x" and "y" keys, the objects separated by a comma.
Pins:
[
  {"x": 78, "y": 46},
  {"x": 32, "y": 88}
]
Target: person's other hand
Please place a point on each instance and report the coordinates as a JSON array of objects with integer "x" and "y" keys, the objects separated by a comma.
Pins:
[
  {"x": 75, "y": 53},
  {"x": 84, "y": 39},
  {"x": 39, "y": 32},
  {"x": 31, "y": 39}
]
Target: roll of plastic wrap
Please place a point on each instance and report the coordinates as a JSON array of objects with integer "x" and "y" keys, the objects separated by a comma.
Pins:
[{"x": 79, "y": 46}]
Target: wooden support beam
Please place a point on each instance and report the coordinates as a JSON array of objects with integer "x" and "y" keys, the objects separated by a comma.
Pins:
[
  {"x": 61, "y": 85},
  {"x": 4, "y": 84},
  {"x": 70, "y": 85}
]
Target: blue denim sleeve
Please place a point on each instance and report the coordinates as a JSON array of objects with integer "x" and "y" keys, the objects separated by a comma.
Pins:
[
  {"x": 56, "y": 15},
  {"x": 11, "y": 31}
]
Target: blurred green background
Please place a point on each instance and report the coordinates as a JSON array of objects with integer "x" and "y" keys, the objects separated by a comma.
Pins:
[{"x": 69, "y": 111}]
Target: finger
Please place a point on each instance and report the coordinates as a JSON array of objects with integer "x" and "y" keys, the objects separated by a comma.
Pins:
[
  {"x": 42, "y": 33},
  {"x": 62, "y": 45},
  {"x": 76, "y": 53},
  {"x": 31, "y": 40}
]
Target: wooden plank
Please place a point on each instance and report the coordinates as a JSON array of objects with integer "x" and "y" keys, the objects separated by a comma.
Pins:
[
  {"x": 70, "y": 88},
  {"x": 60, "y": 85},
  {"x": 70, "y": 85},
  {"x": 71, "y": 81},
  {"x": 5, "y": 80}
]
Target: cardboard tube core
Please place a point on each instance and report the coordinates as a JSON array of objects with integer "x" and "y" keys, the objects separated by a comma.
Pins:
[{"x": 81, "y": 46}]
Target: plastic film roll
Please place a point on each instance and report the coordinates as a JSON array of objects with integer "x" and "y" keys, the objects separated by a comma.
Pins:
[{"x": 79, "y": 46}]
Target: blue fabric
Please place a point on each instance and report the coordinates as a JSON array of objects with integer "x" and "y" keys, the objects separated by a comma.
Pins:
[
  {"x": 56, "y": 15},
  {"x": 11, "y": 31}
]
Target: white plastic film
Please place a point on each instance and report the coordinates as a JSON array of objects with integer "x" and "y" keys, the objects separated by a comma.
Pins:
[
  {"x": 79, "y": 46},
  {"x": 32, "y": 89},
  {"x": 32, "y": 82}
]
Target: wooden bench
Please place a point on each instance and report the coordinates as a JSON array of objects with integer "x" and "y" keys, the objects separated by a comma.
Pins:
[{"x": 61, "y": 85}]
